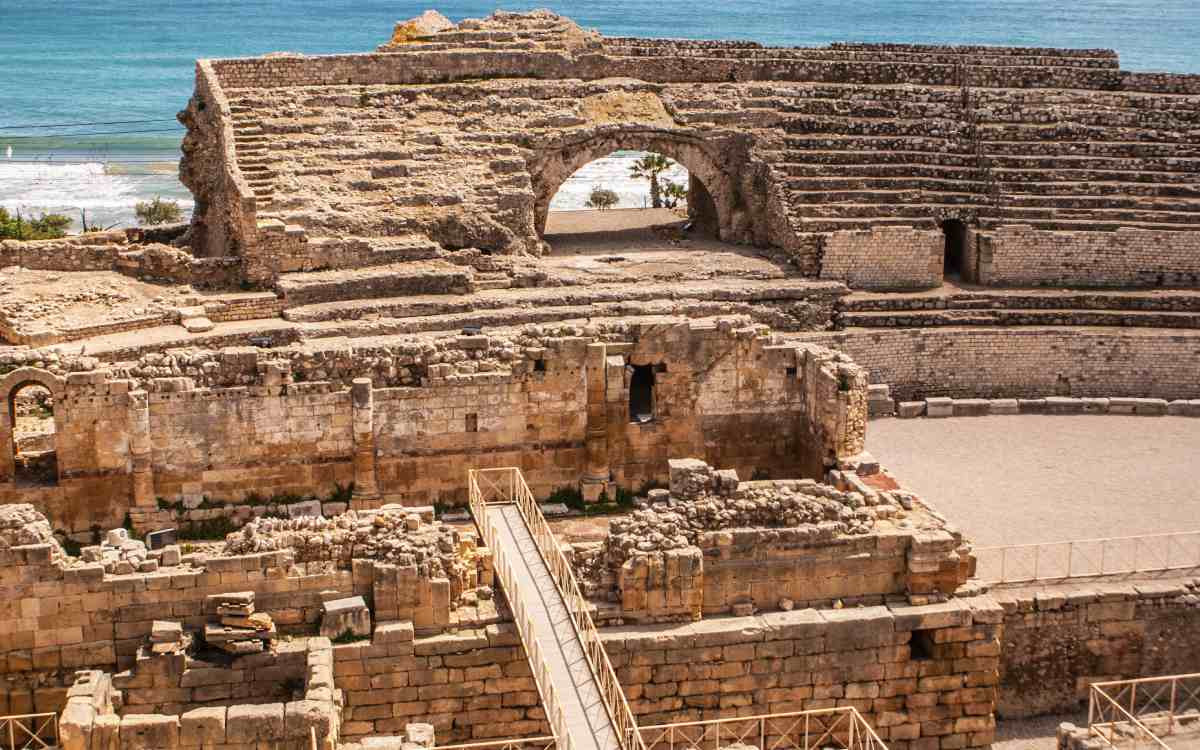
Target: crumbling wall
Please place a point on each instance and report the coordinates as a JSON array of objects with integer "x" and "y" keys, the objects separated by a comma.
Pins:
[
  {"x": 1058, "y": 642},
  {"x": 892, "y": 258},
  {"x": 1023, "y": 256}
]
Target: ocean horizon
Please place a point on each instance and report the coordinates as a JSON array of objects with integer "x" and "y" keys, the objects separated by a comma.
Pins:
[{"x": 90, "y": 91}]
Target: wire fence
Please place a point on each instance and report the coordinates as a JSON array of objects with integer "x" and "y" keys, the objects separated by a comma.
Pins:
[
  {"x": 841, "y": 727},
  {"x": 1086, "y": 558}
]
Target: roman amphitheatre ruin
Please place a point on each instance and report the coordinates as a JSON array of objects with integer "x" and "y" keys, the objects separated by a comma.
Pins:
[{"x": 379, "y": 452}]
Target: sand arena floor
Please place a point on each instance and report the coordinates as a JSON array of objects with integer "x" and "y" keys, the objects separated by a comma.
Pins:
[{"x": 1040, "y": 478}]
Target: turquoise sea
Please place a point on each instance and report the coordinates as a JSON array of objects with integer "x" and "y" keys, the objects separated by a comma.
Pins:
[{"x": 89, "y": 89}]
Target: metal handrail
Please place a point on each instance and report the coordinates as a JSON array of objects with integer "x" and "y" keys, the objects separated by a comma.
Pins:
[
  {"x": 31, "y": 728},
  {"x": 1084, "y": 558},
  {"x": 1152, "y": 701},
  {"x": 538, "y": 743},
  {"x": 511, "y": 487},
  {"x": 1119, "y": 721},
  {"x": 541, "y": 670},
  {"x": 797, "y": 730}
]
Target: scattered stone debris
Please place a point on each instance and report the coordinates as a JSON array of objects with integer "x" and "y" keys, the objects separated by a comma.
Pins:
[{"x": 239, "y": 630}]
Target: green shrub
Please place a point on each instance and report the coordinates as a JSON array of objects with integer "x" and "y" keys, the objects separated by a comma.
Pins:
[
  {"x": 210, "y": 529},
  {"x": 44, "y": 227},
  {"x": 158, "y": 211},
  {"x": 602, "y": 198},
  {"x": 568, "y": 496}
]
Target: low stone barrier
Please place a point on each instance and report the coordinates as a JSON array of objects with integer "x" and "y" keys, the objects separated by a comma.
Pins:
[{"x": 881, "y": 404}]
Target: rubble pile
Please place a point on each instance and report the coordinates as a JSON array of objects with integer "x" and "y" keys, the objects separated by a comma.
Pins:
[
  {"x": 239, "y": 629},
  {"x": 391, "y": 534},
  {"x": 21, "y": 524},
  {"x": 702, "y": 501}
]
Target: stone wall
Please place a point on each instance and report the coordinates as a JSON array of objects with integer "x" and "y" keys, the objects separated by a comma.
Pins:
[
  {"x": 256, "y": 430},
  {"x": 471, "y": 685},
  {"x": 893, "y": 258},
  {"x": 1058, "y": 641},
  {"x": 921, "y": 676},
  {"x": 1024, "y": 362},
  {"x": 1023, "y": 256}
]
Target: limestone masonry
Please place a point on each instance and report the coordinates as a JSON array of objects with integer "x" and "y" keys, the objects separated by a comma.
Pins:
[{"x": 235, "y": 509}]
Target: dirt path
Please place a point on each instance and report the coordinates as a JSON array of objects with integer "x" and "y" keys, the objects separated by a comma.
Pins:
[{"x": 1039, "y": 478}]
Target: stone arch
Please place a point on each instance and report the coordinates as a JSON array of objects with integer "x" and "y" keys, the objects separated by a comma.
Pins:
[
  {"x": 551, "y": 167},
  {"x": 9, "y": 386}
]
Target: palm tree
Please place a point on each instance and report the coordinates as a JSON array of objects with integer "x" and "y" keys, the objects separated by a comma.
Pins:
[{"x": 650, "y": 167}]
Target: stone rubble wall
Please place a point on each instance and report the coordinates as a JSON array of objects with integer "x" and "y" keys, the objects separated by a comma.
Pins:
[
  {"x": 1057, "y": 642},
  {"x": 1023, "y": 256},
  {"x": 892, "y": 258},
  {"x": 940, "y": 697},
  {"x": 1027, "y": 362},
  {"x": 89, "y": 719}
]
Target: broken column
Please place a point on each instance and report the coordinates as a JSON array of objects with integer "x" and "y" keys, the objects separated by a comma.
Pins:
[
  {"x": 595, "y": 480},
  {"x": 362, "y": 406},
  {"x": 142, "y": 473}
]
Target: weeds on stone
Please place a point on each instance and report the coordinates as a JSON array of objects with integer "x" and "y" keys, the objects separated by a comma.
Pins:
[{"x": 348, "y": 636}]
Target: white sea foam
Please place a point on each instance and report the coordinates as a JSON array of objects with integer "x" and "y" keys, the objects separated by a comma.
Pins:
[
  {"x": 611, "y": 172},
  {"x": 107, "y": 193}
]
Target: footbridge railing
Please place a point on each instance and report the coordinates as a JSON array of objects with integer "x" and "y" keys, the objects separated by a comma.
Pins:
[
  {"x": 817, "y": 729},
  {"x": 1144, "y": 712},
  {"x": 29, "y": 731},
  {"x": 1086, "y": 558},
  {"x": 541, "y": 671},
  {"x": 507, "y": 485}
]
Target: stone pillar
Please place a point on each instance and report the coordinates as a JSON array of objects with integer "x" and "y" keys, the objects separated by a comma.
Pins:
[
  {"x": 7, "y": 464},
  {"x": 362, "y": 405},
  {"x": 596, "y": 477},
  {"x": 142, "y": 468}
]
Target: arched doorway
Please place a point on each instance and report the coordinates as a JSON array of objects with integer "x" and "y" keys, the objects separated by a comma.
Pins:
[
  {"x": 28, "y": 427},
  {"x": 703, "y": 191}
]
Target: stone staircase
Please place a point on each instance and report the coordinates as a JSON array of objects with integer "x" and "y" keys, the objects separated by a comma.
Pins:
[{"x": 252, "y": 148}]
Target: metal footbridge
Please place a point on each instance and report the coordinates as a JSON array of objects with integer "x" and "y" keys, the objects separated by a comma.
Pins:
[
  {"x": 584, "y": 703},
  {"x": 583, "y": 700}
]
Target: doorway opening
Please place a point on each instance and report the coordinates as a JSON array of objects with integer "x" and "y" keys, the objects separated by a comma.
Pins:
[
  {"x": 641, "y": 394},
  {"x": 627, "y": 193},
  {"x": 31, "y": 414},
  {"x": 954, "y": 255}
]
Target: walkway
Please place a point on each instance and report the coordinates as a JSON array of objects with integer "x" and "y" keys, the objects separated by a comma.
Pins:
[{"x": 586, "y": 717}]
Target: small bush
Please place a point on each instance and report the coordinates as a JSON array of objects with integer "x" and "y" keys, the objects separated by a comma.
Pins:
[
  {"x": 568, "y": 496},
  {"x": 158, "y": 211},
  {"x": 44, "y": 227},
  {"x": 602, "y": 198},
  {"x": 673, "y": 193},
  {"x": 346, "y": 636},
  {"x": 341, "y": 493}
]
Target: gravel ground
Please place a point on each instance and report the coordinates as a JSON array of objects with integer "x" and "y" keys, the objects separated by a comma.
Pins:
[
  {"x": 1033, "y": 734},
  {"x": 1040, "y": 478}
]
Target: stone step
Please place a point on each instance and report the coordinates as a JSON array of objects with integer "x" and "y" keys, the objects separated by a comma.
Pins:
[
  {"x": 394, "y": 280},
  {"x": 729, "y": 291},
  {"x": 1030, "y": 299},
  {"x": 1019, "y": 317}
]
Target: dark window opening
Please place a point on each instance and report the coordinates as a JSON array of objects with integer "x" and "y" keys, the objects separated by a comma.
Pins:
[
  {"x": 472, "y": 423},
  {"x": 661, "y": 367},
  {"x": 920, "y": 646},
  {"x": 790, "y": 372},
  {"x": 641, "y": 394},
  {"x": 539, "y": 365},
  {"x": 31, "y": 415},
  {"x": 953, "y": 261}
]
